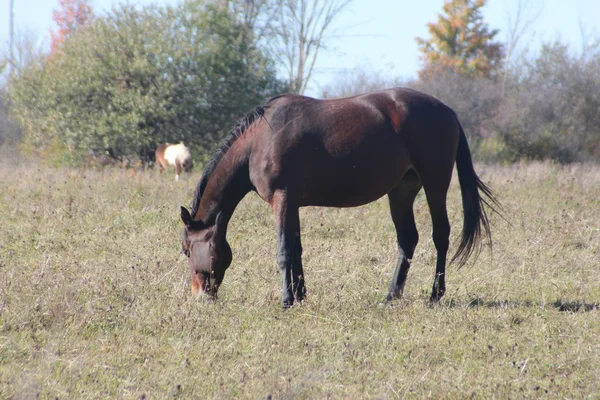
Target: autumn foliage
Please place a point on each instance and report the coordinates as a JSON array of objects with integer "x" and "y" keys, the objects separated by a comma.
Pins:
[
  {"x": 461, "y": 42},
  {"x": 70, "y": 15}
]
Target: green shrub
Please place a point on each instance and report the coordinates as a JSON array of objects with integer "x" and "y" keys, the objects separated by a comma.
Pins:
[{"x": 137, "y": 77}]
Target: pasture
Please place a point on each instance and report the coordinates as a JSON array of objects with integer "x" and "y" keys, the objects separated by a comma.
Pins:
[{"x": 95, "y": 295}]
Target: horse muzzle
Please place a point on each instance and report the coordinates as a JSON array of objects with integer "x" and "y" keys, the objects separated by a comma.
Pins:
[{"x": 204, "y": 286}]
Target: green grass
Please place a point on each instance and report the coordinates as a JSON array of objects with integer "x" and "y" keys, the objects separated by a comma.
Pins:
[{"x": 95, "y": 298}]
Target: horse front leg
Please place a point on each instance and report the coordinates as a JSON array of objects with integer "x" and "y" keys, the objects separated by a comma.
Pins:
[
  {"x": 178, "y": 170},
  {"x": 289, "y": 248},
  {"x": 297, "y": 270}
]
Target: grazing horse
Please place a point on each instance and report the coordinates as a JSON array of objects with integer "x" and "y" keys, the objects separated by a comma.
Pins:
[
  {"x": 298, "y": 151},
  {"x": 174, "y": 154}
]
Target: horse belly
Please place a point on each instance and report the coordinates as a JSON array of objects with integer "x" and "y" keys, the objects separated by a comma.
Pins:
[
  {"x": 170, "y": 155},
  {"x": 357, "y": 179}
]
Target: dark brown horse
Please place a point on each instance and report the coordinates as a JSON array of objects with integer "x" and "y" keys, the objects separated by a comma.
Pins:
[{"x": 297, "y": 151}]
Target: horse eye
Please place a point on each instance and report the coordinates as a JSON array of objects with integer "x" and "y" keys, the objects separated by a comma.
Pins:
[{"x": 186, "y": 252}]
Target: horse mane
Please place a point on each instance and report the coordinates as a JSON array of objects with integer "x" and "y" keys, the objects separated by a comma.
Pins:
[{"x": 240, "y": 127}]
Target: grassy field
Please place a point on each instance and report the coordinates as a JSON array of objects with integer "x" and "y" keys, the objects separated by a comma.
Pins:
[{"x": 95, "y": 298}]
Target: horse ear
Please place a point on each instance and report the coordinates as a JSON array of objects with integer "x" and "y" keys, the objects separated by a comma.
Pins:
[{"x": 186, "y": 217}]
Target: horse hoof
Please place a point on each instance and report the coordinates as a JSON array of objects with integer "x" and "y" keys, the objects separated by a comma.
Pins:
[
  {"x": 287, "y": 304},
  {"x": 391, "y": 296},
  {"x": 435, "y": 298}
]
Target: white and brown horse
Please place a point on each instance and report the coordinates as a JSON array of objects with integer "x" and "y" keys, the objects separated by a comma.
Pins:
[{"x": 177, "y": 155}]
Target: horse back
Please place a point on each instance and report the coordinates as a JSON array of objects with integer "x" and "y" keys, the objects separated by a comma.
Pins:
[
  {"x": 330, "y": 150},
  {"x": 348, "y": 152},
  {"x": 347, "y": 126}
]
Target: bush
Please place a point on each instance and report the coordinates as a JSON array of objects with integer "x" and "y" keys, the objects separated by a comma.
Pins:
[
  {"x": 137, "y": 77},
  {"x": 552, "y": 110}
]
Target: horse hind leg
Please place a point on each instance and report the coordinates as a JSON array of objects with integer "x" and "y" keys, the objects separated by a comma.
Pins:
[
  {"x": 401, "y": 200},
  {"x": 436, "y": 193},
  {"x": 434, "y": 164}
]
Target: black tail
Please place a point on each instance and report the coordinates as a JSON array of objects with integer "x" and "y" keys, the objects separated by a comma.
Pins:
[{"x": 475, "y": 216}]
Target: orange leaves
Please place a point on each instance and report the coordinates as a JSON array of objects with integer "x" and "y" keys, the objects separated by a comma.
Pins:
[
  {"x": 460, "y": 41},
  {"x": 70, "y": 15}
]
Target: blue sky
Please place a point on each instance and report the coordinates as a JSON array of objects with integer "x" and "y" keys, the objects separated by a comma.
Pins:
[{"x": 375, "y": 35}]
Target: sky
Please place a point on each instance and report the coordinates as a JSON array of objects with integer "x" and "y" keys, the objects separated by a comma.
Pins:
[{"x": 374, "y": 35}]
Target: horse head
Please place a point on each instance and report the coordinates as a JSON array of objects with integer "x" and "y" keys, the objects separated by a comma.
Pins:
[{"x": 208, "y": 253}]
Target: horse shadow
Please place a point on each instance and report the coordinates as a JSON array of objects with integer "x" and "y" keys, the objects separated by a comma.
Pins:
[{"x": 560, "y": 305}]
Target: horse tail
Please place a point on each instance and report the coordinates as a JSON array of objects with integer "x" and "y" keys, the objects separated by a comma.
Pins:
[{"x": 475, "y": 219}]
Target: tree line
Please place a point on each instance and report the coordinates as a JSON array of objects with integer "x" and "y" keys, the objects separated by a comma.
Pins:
[
  {"x": 113, "y": 86},
  {"x": 513, "y": 106}
]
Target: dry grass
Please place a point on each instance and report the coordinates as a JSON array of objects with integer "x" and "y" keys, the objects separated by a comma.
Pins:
[{"x": 94, "y": 296}]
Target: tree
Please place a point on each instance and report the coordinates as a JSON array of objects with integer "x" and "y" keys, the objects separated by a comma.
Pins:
[
  {"x": 27, "y": 49},
  {"x": 554, "y": 112},
  {"x": 300, "y": 28},
  {"x": 257, "y": 15},
  {"x": 294, "y": 31},
  {"x": 517, "y": 25},
  {"x": 140, "y": 76},
  {"x": 71, "y": 15},
  {"x": 461, "y": 42}
]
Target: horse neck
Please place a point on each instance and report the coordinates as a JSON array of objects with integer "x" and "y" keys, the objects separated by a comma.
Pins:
[{"x": 228, "y": 184}]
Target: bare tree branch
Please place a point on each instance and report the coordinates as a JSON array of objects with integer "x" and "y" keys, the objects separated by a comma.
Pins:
[
  {"x": 589, "y": 42},
  {"x": 292, "y": 31},
  {"x": 518, "y": 24},
  {"x": 301, "y": 28}
]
